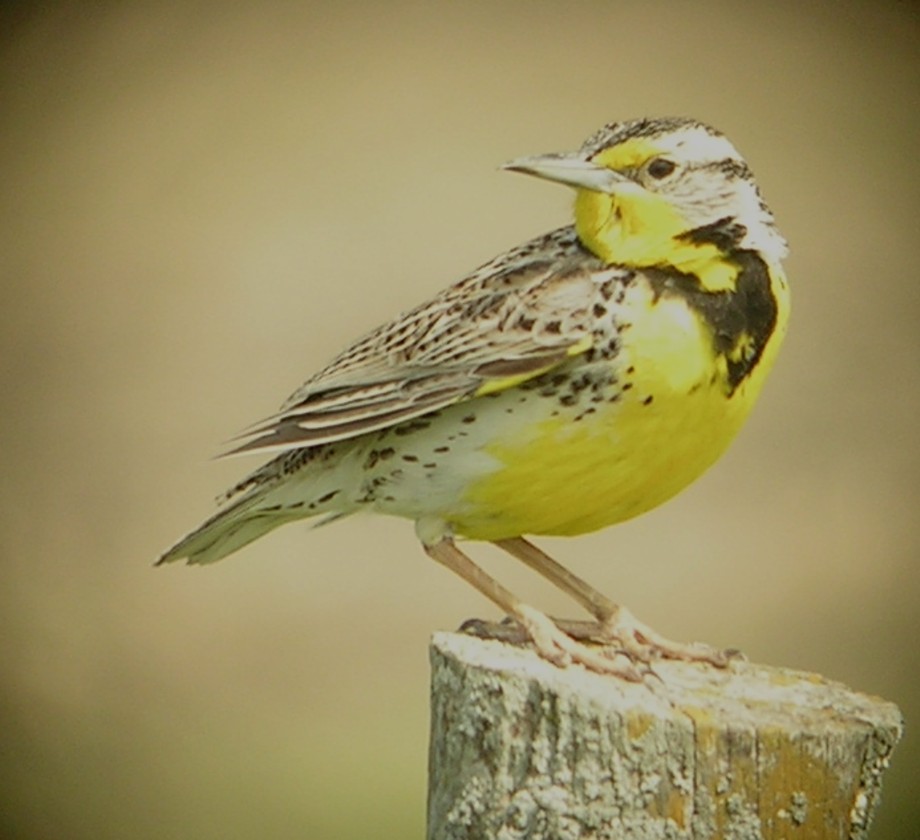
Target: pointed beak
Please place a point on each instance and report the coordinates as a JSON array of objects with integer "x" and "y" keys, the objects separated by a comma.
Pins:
[{"x": 571, "y": 170}]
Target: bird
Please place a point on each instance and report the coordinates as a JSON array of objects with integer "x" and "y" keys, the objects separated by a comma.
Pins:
[{"x": 573, "y": 382}]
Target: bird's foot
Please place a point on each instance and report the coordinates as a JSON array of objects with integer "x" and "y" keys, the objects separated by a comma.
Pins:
[
  {"x": 621, "y": 645},
  {"x": 558, "y": 646},
  {"x": 641, "y": 643}
]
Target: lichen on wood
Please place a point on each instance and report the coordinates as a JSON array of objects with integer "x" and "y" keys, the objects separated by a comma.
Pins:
[{"x": 524, "y": 750}]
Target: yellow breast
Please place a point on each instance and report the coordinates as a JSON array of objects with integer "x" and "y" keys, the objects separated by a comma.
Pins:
[{"x": 669, "y": 416}]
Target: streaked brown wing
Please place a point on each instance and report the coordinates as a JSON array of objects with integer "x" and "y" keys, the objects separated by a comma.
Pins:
[{"x": 515, "y": 318}]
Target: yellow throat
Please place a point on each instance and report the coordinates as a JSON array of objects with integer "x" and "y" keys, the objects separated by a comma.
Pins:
[{"x": 638, "y": 228}]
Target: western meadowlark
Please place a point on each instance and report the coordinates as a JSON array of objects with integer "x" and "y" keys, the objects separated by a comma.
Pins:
[{"x": 573, "y": 382}]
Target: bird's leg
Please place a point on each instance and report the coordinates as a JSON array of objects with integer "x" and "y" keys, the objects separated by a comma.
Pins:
[
  {"x": 551, "y": 642},
  {"x": 615, "y": 623},
  {"x": 599, "y": 605}
]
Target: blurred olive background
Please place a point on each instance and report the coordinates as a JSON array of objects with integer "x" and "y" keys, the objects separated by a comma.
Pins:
[{"x": 202, "y": 202}]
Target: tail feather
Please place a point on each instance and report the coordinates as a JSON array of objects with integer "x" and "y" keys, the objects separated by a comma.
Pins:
[
  {"x": 224, "y": 533},
  {"x": 265, "y": 500}
]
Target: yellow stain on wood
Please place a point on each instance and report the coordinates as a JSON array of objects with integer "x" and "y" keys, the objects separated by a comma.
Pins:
[
  {"x": 789, "y": 785},
  {"x": 637, "y": 725}
]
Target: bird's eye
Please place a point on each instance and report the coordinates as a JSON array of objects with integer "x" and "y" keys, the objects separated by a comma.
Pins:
[{"x": 660, "y": 168}]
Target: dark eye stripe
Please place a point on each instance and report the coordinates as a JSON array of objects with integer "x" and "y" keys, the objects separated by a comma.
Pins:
[{"x": 732, "y": 167}]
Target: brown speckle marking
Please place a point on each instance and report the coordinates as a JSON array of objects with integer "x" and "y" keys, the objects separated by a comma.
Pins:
[
  {"x": 328, "y": 497},
  {"x": 411, "y": 426},
  {"x": 442, "y": 449},
  {"x": 410, "y": 458},
  {"x": 648, "y": 400},
  {"x": 470, "y": 418},
  {"x": 376, "y": 455},
  {"x": 579, "y": 383}
]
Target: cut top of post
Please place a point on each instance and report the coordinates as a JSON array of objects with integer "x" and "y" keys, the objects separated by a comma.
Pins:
[{"x": 523, "y": 749}]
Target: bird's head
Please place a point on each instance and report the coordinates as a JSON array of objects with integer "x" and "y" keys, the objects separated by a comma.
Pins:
[{"x": 666, "y": 192}]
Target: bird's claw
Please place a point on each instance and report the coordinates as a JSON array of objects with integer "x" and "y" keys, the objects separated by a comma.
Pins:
[{"x": 621, "y": 645}]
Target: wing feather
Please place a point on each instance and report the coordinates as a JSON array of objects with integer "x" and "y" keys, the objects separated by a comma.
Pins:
[{"x": 514, "y": 318}]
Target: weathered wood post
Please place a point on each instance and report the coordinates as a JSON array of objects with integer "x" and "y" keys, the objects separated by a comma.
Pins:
[{"x": 523, "y": 750}]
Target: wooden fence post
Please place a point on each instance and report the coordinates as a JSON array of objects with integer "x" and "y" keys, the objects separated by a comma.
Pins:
[{"x": 523, "y": 750}]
